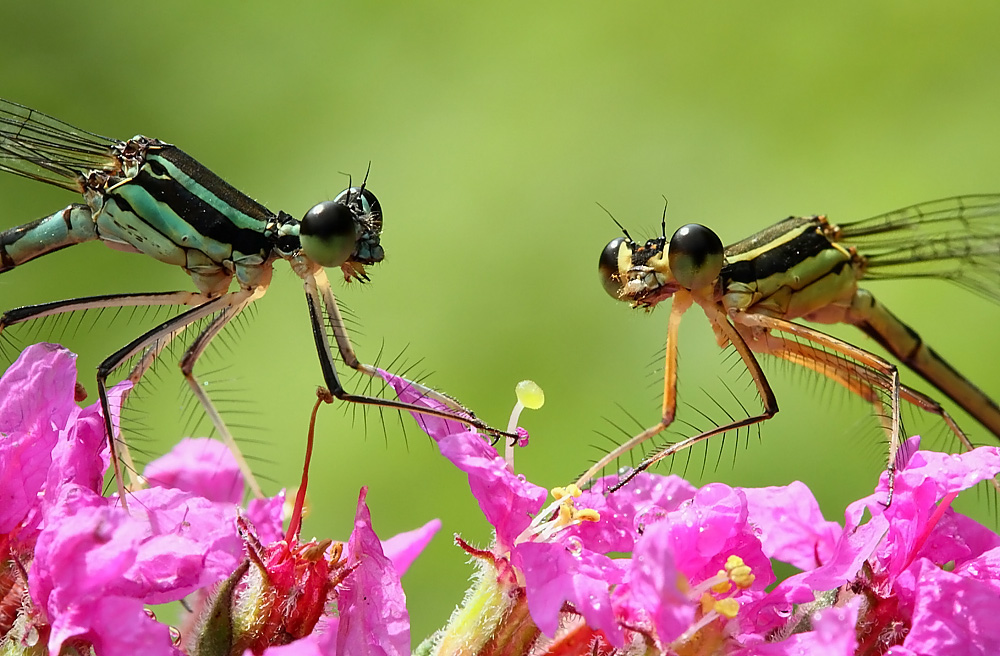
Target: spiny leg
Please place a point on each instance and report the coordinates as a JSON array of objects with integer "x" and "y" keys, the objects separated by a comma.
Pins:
[
  {"x": 346, "y": 350},
  {"x": 887, "y": 379},
  {"x": 681, "y": 303},
  {"x": 166, "y": 330},
  {"x": 236, "y": 303},
  {"x": 42, "y": 310},
  {"x": 869, "y": 383},
  {"x": 319, "y": 295},
  {"x": 726, "y": 333}
]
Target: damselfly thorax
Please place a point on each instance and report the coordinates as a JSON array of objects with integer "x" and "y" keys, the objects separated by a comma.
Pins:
[
  {"x": 807, "y": 268},
  {"x": 147, "y": 196}
]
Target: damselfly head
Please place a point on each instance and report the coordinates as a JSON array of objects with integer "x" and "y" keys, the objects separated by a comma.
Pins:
[
  {"x": 344, "y": 232},
  {"x": 647, "y": 274},
  {"x": 630, "y": 272}
]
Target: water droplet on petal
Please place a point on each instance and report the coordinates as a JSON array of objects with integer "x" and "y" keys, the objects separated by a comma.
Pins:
[{"x": 646, "y": 516}]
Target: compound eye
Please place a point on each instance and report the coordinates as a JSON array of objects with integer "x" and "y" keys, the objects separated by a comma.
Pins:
[
  {"x": 328, "y": 233},
  {"x": 695, "y": 256},
  {"x": 608, "y": 267}
]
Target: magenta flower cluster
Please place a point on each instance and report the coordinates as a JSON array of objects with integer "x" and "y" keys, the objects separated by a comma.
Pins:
[
  {"x": 659, "y": 567},
  {"x": 662, "y": 567},
  {"x": 79, "y": 572}
]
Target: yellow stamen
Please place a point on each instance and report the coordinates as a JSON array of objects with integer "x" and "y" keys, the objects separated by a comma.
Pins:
[
  {"x": 727, "y": 607},
  {"x": 723, "y": 586},
  {"x": 739, "y": 572}
]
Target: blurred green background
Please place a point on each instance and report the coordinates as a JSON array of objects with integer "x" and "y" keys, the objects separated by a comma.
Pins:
[{"x": 492, "y": 132}]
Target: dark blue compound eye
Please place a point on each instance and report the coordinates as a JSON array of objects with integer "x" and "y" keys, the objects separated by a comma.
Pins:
[
  {"x": 607, "y": 266},
  {"x": 695, "y": 256},
  {"x": 329, "y": 233}
]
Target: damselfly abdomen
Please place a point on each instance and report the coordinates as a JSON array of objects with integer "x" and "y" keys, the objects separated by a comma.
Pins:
[
  {"x": 808, "y": 268},
  {"x": 147, "y": 196}
]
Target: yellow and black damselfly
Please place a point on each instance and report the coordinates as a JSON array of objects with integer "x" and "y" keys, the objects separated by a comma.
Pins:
[
  {"x": 808, "y": 268},
  {"x": 147, "y": 196}
]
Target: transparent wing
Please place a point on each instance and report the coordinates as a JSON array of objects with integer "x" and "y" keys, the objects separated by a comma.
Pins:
[
  {"x": 955, "y": 239},
  {"x": 40, "y": 147}
]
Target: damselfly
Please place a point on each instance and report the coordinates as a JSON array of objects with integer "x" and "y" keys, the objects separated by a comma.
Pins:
[
  {"x": 808, "y": 268},
  {"x": 146, "y": 196}
]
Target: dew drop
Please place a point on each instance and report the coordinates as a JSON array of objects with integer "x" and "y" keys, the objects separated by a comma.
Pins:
[
  {"x": 574, "y": 545},
  {"x": 648, "y": 515}
]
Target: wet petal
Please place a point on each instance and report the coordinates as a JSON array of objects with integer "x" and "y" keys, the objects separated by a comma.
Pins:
[{"x": 555, "y": 574}]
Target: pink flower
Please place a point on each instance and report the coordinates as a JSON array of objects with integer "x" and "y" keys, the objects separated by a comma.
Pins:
[
  {"x": 687, "y": 570},
  {"x": 896, "y": 558},
  {"x": 94, "y": 566},
  {"x": 89, "y": 568},
  {"x": 373, "y": 619}
]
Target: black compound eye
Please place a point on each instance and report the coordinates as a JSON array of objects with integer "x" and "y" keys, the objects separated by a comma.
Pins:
[
  {"x": 329, "y": 233},
  {"x": 695, "y": 256},
  {"x": 608, "y": 267}
]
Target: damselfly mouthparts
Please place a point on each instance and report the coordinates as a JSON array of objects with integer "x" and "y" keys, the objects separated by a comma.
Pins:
[
  {"x": 808, "y": 268},
  {"x": 147, "y": 196}
]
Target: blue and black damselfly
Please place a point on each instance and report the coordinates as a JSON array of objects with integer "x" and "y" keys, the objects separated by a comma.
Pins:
[{"x": 147, "y": 196}]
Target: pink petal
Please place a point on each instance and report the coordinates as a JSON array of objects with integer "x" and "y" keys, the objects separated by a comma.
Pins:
[
  {"x": 713, "y": 527},
  {"x": 91, "y": 557},
  {"x": 653, "y": 584},
  {"x": 850, "y": 554},
  {"x": 36, "y": 400},
  {"x": 373, "y": 616},
  {"x": 626, "y": 513},
  {"x": 402, "y": 549},
  {"x": 508, "y": 501},
  {"x": 554, "y": 575},
  {"x": 792, "y": 527},
  {"x": 81, "y": 456},
  {"x": 833, "y": 634},
  {"x": 954, "y": 615},
  {"x": 116, "y": 626},
  {"x": 203, "y": 466},
  {"x": 435, "y": 427},
  {"x": 267, "y": 516},
  {"x": 190, "y": 543},
  {"x": 321, "y": 642}
]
